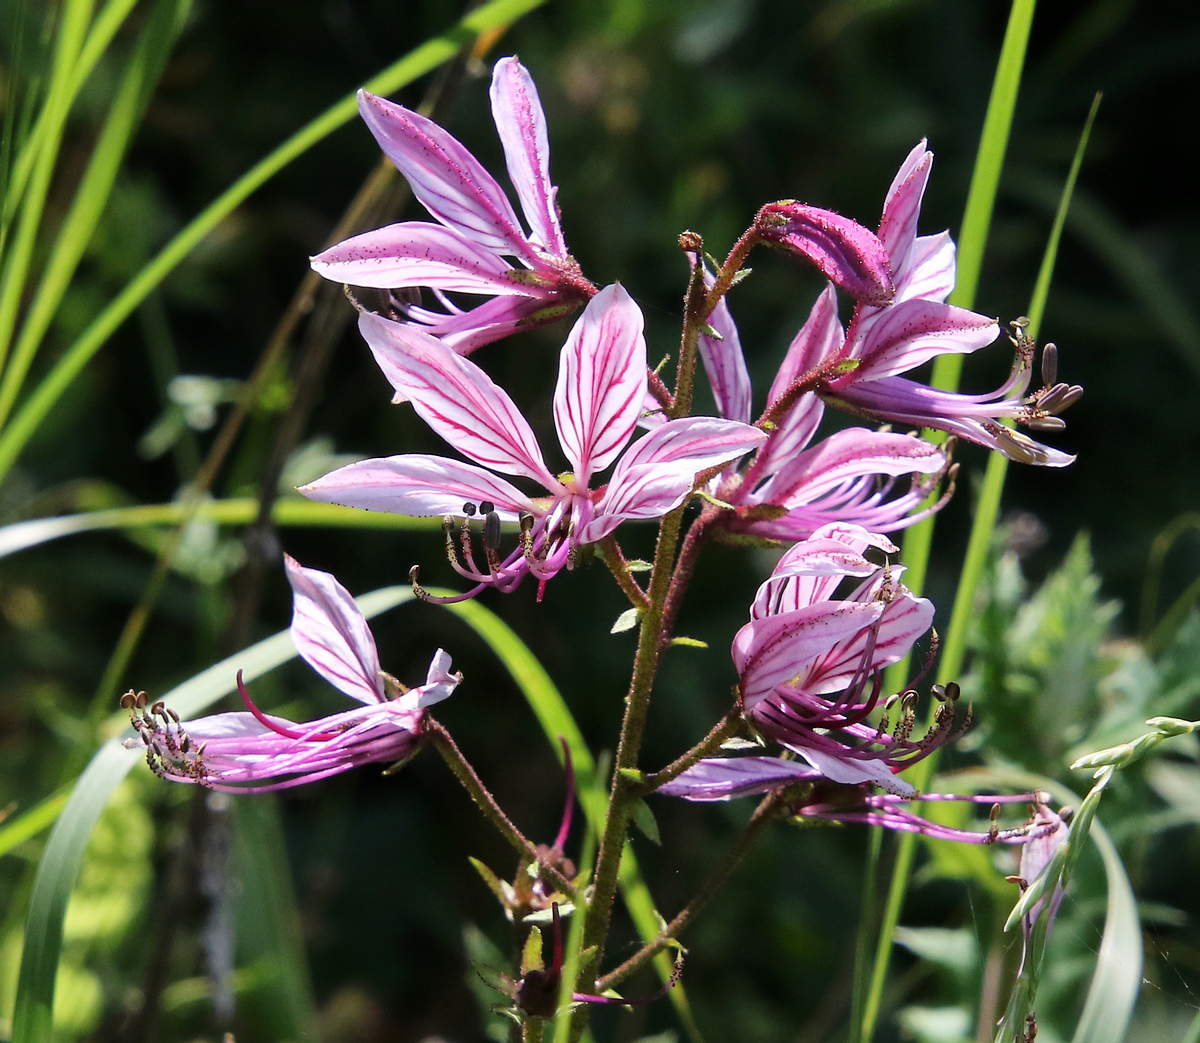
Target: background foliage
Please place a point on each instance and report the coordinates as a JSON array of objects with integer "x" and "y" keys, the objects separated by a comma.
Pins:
[{"x": 663, "y": 116}]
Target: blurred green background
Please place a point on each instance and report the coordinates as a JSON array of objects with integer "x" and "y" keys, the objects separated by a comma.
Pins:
[{"x": 663, "y": 115}]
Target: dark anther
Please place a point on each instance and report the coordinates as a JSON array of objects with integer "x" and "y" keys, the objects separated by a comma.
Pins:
[
  {"x": 1049, "y": 365},
  {"x": 491, "y": 529},
  {"x": 994, "y": 813},
  {"x": 486, "y": 506},
  {"x": 128, "y": 700},
  {"x": 469, "y": 509}
]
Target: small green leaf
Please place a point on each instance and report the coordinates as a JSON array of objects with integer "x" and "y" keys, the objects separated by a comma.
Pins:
[
  {"x": 498, "y": 887},
  {"x": 643, "y": 818},
  {"x": 627, "y": 620},
  {"x": 688, "y": 642},
  {"x": 531, "y": 953}
]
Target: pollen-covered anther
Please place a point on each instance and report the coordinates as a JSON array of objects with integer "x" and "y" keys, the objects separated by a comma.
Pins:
[{"x": 414, "y": 577}]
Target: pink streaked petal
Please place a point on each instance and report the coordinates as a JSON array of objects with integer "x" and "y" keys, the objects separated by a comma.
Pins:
[
  {"x": 601, "y": 382},
  {"x": 903, "y": 621},
  {"x": 931, "y": 270},
  {"x": 521, "y": 124},
  {"x": 849, "y": 454},
  {"x": 854, "y": 770},
  {"x": 819, "y": 339},
  {"x": 725, "y": 362},
  {"x": 331, "y": 634},
  {"x": 778, "y": 648},
  {"x": 916, "y": 331},
  {"x": 902, "y": 206},
  {"x": 449, "y": 181},
  {"x": 722, "y": 778},
  {"x": 464, "y": 331},
  {"x": 656, "y": 474},
  {"x": 845, "y": 252},
  {"x": 455, "y": 398},
  {"x": 418, "y": 485},
  {"x": 417, "y": 253}
]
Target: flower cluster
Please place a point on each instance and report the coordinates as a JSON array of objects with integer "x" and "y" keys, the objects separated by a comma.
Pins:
[{"x": 832, "y": 615}]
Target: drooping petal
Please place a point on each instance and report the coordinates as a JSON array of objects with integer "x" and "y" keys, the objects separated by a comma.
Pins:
[
  {"x": 853, "y": 770},
  {"x": 418, "y": 485},
  {"x": 845, "y": 252},
  {"x": 331, "y": 634},
  {"x": 915, "y": 331},
  {"x": 464, "y": 331},
  {"x": 417, "y": 253},
  {"x": 846, "y": 455},
  {"x": 456, "y": 398},
  {"x": 449, "y": 182},
  {"x": 722, "y": 778},
  {"x": 656, "y": 473},
  {"x": 521, "y": 124},
  {"x": 601, "y": 382}
]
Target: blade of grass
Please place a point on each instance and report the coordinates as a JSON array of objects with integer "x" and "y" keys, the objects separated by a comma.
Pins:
[
  {"x": 981, "y": 198},
  {"x": 69, "y": 36},
  {"x": 28, "y": 534},
  {"x": 416, "y": 63},
  {"x": 101, "y": 34},
  {"x": 141, "y": 76}
]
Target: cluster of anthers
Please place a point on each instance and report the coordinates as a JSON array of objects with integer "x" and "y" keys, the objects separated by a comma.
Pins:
[
  {"x": 541, "y": 552},
  {"x": 1040, "y": 410},
  {"x": 170, "y": 752}
]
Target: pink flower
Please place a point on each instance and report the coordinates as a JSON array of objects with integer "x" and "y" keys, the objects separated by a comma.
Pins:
[
  {"x": 917, "y": 326},
  {"x": 597, "y": 403},
  {"x": 792, "y": 487},
  {"x": 478, "y": 246},
  {"x": 249, "y": 750}
]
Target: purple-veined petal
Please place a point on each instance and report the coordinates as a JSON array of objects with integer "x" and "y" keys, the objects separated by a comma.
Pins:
[
  {"x": 931, "y": 269},
  {"x": 439, "y": 684},
  {"x": 818, "y": 340},
  {"x": 845, "y": 455},
  {"x": 903, "y": 619},
  {"x": 915, "y": 331},
  {"x": 464, "y": 331},
  {"x": 722, "y": 778},
  {"x": 845, "y": 252},
  {"x": 656, "y": 473},
  {"x": 601, "y": 382},
  {"x": 521, "y": 124},
  {"x": 417, "y": 253},
  {"x": 418, "y": 485},
  {"x": 450, "y": 182},
  {"x": 854, "y": 770},
  {"x": 331, "y": 634},
  {"x": 456, "y": 398},
  {"x": 902, "y": 206},
  {"x": 778, "y": 648},
  {"x": 725, "y": 362}
]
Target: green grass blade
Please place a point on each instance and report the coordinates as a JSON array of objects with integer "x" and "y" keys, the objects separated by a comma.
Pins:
[
  {"x": 70, "y": 30},
  {"x": 917, "y": 542},
  {"x": 29, "y": 534},
  {"x": 101, "y": 34},
  {"x": 91, "y": 197},
  {"x": 423, "y": 59},
  {"x": 59, "y": 865},
  {"x": 1114, "y": 988}
]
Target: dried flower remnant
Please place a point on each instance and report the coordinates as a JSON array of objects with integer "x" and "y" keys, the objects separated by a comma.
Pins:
[
  {"x": 252, "y": 750},
  {"x": 478, "y": 245},
  {"x": 597, "y": 403}
]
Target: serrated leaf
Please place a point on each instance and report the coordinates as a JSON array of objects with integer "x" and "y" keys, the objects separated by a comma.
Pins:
[
  {"x": 531, "y": 951},
  {"x": 627, "y": 620},
  {"x": 638, "y": 565}
]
